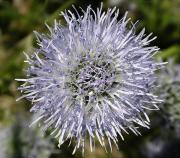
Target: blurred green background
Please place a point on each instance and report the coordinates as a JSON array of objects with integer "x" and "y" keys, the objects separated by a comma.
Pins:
[{"x": 18, "y": 18}]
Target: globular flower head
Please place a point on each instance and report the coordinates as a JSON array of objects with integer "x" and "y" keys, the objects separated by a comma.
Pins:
[
  {"x": 169, "y": 91},
  {"x": 92, "y": 78},
  {"x": 33, "y": 143}
]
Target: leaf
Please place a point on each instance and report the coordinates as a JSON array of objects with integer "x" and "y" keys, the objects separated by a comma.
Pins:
[{"x": 173, "y": 51}]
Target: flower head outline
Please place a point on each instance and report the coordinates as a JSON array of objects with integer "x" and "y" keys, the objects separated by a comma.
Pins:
[{"x": 92, "y": 78}]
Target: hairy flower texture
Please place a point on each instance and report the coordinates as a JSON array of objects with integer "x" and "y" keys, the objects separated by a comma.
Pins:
[
  {"x": 33, "y": 143},
  {"x": 92, "y": 78},
  {"x": 169, "y": 91}
]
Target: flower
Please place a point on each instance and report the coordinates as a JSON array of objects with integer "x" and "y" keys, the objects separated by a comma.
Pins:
[
  {"x": 32, "y": 142},
  {"x": 169, "y": 91},
  {"x": 93, "y": 78}
]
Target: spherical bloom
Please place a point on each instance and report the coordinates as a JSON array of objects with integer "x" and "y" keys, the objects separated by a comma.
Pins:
[
  {"x": 33, "y": 144},
  {"x": 169, "y": 91},
  {"x": 92, "y": 78}
]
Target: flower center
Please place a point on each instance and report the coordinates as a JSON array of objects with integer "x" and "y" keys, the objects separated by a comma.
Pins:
[{"x": 92, "y": 77}]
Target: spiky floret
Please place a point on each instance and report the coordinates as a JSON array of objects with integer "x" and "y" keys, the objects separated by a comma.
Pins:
[{"x": 92, "y": 78}]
